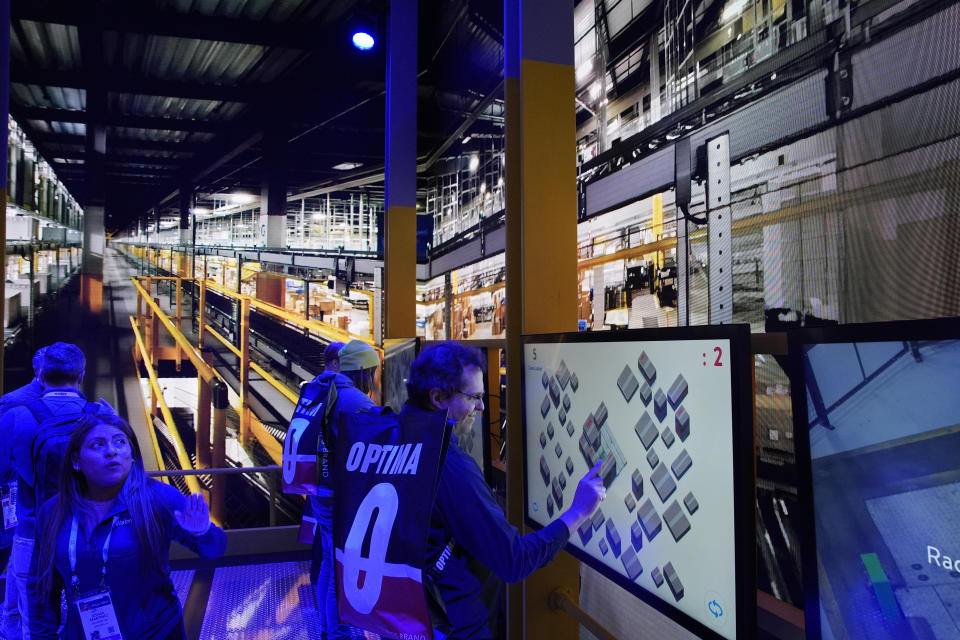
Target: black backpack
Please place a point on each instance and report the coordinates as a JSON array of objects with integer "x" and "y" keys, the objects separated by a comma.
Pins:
[
  {"x": 386, "y": 468},
  {"x": 50, "y": 442},
  {"x": 306, "y": 446}
]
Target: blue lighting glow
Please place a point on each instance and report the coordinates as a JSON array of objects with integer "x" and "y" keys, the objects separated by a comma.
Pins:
[{"x": 363, "y": 40}]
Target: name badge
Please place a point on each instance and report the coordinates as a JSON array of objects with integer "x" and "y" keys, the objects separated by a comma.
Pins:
[
  {"x": 9, "y": 502},
  {"x": 98, "y": 617}
]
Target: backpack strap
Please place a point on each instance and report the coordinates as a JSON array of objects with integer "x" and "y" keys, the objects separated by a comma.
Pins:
[
  {"x": 93, "y": 408},
  {"x": 325, "y": 439},
  {"x": 311, "y": 393},
  {"x": 39, "y": 410}
]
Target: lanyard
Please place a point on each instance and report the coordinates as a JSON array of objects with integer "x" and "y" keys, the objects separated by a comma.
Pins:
[{"x": 72, "y": 553}]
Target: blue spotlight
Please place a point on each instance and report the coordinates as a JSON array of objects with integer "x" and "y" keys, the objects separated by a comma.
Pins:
[{"x": 363, "y": 40}]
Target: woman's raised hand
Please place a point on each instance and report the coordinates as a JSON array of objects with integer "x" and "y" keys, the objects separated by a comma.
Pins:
[{"x": 195, "y": 518}]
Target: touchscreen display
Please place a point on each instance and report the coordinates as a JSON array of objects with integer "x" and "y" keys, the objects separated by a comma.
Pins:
[{"x": 658, "y": 414}]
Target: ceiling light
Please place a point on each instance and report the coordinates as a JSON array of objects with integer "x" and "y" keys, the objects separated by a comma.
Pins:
[
  {"x": 474, "y": 162},
  {"x": 346, "y": 166},
  {"x": 238, "y": 198},
  {"x": 362, "y": 40},
  {"x": 465, "y": 140},
  {"x": 483, "y": 187}
]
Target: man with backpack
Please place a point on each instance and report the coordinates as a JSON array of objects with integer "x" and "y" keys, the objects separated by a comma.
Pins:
[
  {"x": 330, "y": 394},
  {"x": 10, "y": 614},
  {"x": 40, "y": 430},
  {"x": 30, "y": 391}
]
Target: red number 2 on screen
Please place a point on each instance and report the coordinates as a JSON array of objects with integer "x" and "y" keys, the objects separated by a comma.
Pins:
[{"x": 719, "y": 355}]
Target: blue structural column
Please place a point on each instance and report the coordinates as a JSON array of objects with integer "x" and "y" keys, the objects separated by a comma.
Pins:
[
  {"x": 541, "y": 256},
  {"x": 186, "y": 213},
  {"x": 94, "y": 237},
  {"x": 400, "y": 246},
  {"x": 273, "y": 194},
  {"x": 187, "y": 236},
  {"x": 5, "y": 106}
]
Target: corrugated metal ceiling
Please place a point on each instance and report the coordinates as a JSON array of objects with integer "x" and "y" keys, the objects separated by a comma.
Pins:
[
  {"x": 50, "y": 46},
  {"x": 49, "y": 97},
  {"x": 69, "y": 128},
  {"x": 182, "y": 59},
  {"x": 159, "y": 135},
  {"x": 271, "y": 10},
  {"x": 256, "y": 73},
  {"x": 181, "y": 108}
]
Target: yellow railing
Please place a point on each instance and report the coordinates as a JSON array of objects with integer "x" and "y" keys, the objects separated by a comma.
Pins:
[
  {"x": 276, "y": 384},
  {"x": 212, "y": 388},
  {"x": 182, "y": 457},
  {"x": 250, "y": 424},
  {"x": 318, "y": 326}
]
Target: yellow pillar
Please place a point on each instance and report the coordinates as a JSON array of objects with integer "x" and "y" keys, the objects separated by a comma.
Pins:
[
  {"x": 400, "y": 272},
  {"x": 493, "y": 395},
  {"x": 541, "y": 253},
  {"x": 400, "y": 224},
  {"x": 244, "y": 370}
]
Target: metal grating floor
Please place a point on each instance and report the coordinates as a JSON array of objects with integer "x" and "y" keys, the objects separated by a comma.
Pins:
[
  {"x": 181, "y": 584},
  {"x": 261, "y": 601}
]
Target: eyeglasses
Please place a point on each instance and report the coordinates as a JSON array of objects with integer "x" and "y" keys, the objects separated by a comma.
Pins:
[{"x": 476, "y": 397}]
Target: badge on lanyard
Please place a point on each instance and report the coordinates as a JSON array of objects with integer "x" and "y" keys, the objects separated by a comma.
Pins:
[
  {"x": 97, "y": 615},
  {"x": 8, "y": 497}
]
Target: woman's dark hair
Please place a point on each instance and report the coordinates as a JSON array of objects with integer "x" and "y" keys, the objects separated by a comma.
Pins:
[
  {"x": 440, "y": 366},
  {"x": 72, "y": 498},
  {"x": 363, "y": 379}
]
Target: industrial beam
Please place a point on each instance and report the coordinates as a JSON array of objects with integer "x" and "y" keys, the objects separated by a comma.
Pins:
[
  {"x": 118, "y": 120},
  {"x": 95, "y": 142},
  {"x": 117, "y": 143},
  {"x": 111, "y": 159},
  {"x": 142, "y": 18},
  {"x": 124, "y": 83}
]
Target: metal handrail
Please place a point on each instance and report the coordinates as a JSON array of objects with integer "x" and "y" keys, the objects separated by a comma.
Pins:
[
  {"x": 182, "y": 457},
  {"x": 323, "y": 328},
  {"x": 225, "y": 471},
  {"x": 276, "y": 384},
  {"x": 204, "y": 369}
]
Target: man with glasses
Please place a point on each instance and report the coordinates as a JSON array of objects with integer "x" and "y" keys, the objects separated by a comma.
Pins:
[{"x": 471, "y": 548}]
